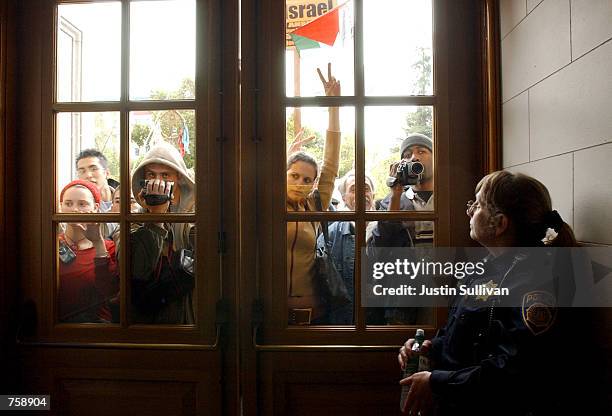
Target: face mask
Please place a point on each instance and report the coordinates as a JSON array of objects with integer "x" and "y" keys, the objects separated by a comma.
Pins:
[{"x": 298, "y": 192}]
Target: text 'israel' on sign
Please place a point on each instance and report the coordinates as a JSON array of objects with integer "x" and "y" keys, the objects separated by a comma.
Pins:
[{"x": 300, "y": 12}]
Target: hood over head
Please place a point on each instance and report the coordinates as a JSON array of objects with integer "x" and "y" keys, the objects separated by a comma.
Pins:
[{"x": 166, "y": 154}]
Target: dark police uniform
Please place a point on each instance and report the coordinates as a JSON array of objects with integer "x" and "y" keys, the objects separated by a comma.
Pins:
[{"x": 494, "y": 359}]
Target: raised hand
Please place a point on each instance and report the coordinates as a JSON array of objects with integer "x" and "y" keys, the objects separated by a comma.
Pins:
[
  {"x": 331, "y": 85},
  {"x": 92, "y": 231},
  {"x": 297, "y": 144}
]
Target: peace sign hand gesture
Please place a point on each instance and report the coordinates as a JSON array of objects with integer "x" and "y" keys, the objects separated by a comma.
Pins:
[
  {"x": 331, "y": 85},
  {"x": 299, "y": 141}
]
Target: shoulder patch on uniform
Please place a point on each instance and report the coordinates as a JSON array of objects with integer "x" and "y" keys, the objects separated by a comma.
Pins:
[{"x": 539, "y": 311}]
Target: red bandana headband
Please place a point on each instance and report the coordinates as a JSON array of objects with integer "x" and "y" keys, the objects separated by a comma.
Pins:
[{"x": 79, "y": 182}]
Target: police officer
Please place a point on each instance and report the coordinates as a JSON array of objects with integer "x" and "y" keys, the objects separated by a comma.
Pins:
[{"x": 490, "y": 358}]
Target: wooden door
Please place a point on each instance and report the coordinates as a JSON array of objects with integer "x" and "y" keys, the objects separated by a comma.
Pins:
[
  {"x": 348, "y": 368},
  {"x": 240, "y": 355},
  {"x": 122, "y": 77}
]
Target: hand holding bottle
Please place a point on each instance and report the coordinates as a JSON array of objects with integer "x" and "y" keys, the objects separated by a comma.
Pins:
[{"x": 406, "y": 351}]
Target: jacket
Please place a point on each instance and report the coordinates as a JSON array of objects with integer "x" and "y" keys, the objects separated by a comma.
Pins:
[
  {"x": 496, "y": 359},
  {"x": 153, "y": 247},
  {"x": 341, "y": 248},
  {"x": 383, "y": 234},
  {"x": 302, "y": 236},
  {"x": 403, "y": 233}
]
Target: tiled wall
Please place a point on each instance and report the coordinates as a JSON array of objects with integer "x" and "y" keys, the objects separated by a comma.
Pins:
[{"x": 557, "y": 105}]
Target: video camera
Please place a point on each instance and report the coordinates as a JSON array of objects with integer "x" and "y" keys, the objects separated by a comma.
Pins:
[
  {"x": 407, "y": 173},
  {"x": 153, "y": 200}
]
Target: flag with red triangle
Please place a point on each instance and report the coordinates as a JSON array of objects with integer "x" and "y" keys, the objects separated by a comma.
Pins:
[{"x": 323, "y": 29}]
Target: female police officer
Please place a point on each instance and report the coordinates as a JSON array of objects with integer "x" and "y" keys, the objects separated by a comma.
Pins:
[{"x": 498, "y": 360}]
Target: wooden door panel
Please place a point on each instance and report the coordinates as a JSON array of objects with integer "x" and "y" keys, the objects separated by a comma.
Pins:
[
  {"x": 124, "y": 397},
  {"x": 129, "y": 382},
  {"x": 335, "y": 382}
]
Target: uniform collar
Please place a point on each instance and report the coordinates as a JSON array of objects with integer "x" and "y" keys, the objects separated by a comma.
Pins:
[{"x": 504, "y": 260}]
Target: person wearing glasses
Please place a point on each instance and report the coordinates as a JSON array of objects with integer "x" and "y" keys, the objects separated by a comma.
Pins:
[{"x": 495, "y": 358}]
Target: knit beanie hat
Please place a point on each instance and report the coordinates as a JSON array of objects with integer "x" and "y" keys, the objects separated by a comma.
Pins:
[
  {"x": 80, "y": 182},
  {"x": 416, "y": 139}
]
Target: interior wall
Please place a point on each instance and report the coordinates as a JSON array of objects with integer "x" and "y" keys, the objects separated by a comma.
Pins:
[
  {"x": 556, "y": 75},
  {"x": 557, "y": 99}
]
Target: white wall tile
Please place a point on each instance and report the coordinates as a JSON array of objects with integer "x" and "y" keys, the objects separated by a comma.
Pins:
[
  {"x": 556, "y": 174},
  {"x": 593, "y": 194},
  {"x": 511, "y": 12},
  {"x": 591, "y": 24},
  {"x": 572, "y": 109},
  {"x": 516, "y": 131},
  {"x": 536, "y": 48},
  {"x": 531, "y": 4}
]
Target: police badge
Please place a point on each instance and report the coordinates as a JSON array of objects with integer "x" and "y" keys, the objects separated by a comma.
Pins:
[{"x": 539, "y": 311}]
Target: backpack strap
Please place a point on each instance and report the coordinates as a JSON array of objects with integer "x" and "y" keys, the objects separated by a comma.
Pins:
[{"x": 324, "y": 226}]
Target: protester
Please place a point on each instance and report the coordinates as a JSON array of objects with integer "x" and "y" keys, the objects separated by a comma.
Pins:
[
  {"x": 162, "y": 253},
  {"x": 341, "y": 244},
  {"x": 113, "y": 228},
  {"x": 384, "y": 236},
  {"x": 92, "y": 166},
  {"x": 87, "y": 266},
  {"x": 305, "y": 306}
]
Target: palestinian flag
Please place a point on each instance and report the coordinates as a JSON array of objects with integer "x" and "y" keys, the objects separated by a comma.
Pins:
[{"x": 323, "y": 29}]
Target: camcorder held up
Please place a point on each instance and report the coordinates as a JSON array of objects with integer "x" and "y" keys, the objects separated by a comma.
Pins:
[
  {"x": 153, "y": 200},
  {"x": 407, "y": 173}
]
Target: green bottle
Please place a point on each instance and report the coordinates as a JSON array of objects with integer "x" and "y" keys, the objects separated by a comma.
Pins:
[
  {"x": 423, "y": 358},
  {"x": 413, "y": 365}
]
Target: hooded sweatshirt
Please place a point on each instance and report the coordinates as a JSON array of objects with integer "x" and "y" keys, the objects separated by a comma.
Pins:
[
  {"x": 149, "y": 243},
  {"x": 165, "y": 154}
]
